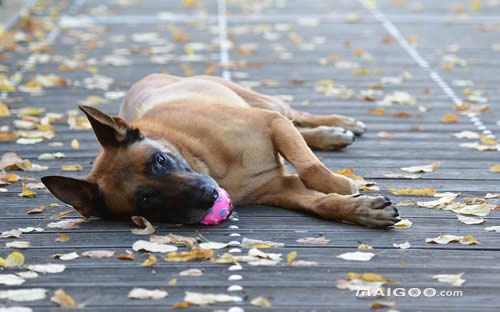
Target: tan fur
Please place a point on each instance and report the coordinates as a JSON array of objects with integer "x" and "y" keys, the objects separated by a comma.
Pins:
[{"x": 238, "y": 137}]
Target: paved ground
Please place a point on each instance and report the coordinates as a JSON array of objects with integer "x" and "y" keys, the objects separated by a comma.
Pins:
[{"x": 450, "y": 52}]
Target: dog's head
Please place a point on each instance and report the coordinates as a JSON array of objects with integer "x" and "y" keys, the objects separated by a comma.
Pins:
[{"x": 135, "y": 175}]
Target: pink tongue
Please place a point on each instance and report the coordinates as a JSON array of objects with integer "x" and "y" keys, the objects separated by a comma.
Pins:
[{"x": 220, "y": 210}]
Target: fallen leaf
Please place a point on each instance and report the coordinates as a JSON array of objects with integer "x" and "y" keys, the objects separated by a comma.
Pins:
[
  {"x": 19, "y": 295},
  {"x": 11, "y": 234},
  {"x": 480, "y": 147},
  {"x": 206, "y": 299},
  {"x": 147, "y": 229},
  {"x": 183, "y": 304},
  {"x": 401, "y": 115},
  {"x": 404, "y": 245},
  {"x": 27, "y": 274},
  {"x": 488, "y": 140},
  {"x": 27, "y": 192},
  {"x": 98, "y": 254},
  {"x": 142, "y": 245},
  {"x": 491, "y": 195},
  {"x": 75, "y": 144},
  {"x": 492, "y": 228},
  {"x": 63, "y": 214},
  {"x": 466, "y": 135},
  {"x": 36, "y": 210},
  {"x": 445, "y": 239},
  {"x": 62, "y": 299},
  {"x": 383, "y": 304},
  {"x": 481, "y": 210},
  {"x": 191, "y": 272},
  {"x": 174, "y": 239},
  {"x": 141, "y": 293},
  {"x": 357, "y": 256},
  {"x": 450, "y": 118},
  {"x": 384, "y": 134},
  {"x": 14, "y": 259},
  {"x": 495, "y": 168},
  {"x": 439, "y": 203},
  {"x": 67, "y": 224},
  {"x": 377, "y": 111},
  {"x": 261, "y": 302},
  {"x": 252, "y": 243},
  {"x": 365, "y": 246},
  {"x": 149, "y": 261},
  {"x": 213, "y": 245},
  {"x": 11, "y": 280},
  {"x": 405, "y": 223},
  {"x": 408, "y": 202},
  {"x": 62, "y": 238},
  {"x": 314, "y": 240},
  {"x": 71, "y": 167},
  {"x": 453, "y": 279},
  {"x": 128, "y": 256},
  {"x": 413, "y": 192},
  {"x": 470, "y": 220},
  {"x": 402, "y": 176},
  {"x": 67, "y": 256},
  {"x": 18, "y": 244},
  {"x": 46, "y": 268},
  {"x": 424, "y": 168},
  {"x": 195, "y": 254}
]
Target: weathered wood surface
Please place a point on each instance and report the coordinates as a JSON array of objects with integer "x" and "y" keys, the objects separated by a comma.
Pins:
[{"x": 103, "y": 284}]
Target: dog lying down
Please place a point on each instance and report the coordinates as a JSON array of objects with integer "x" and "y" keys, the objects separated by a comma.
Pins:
[{"x": 178, "y": 139}]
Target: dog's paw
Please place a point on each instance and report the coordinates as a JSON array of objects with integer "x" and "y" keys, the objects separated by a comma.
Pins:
[
  {"x": 355, "y": 126},
  {"x": 332, "y": 138},
  {"x": 373, "y": 211}
]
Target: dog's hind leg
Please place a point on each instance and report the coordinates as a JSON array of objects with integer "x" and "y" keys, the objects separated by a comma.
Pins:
[
  {"x": 300, "y": 119},
  {"x": 289, "y": 192}
]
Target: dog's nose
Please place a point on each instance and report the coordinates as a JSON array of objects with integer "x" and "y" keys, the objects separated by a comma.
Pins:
[{"x": 210, "y": 193}]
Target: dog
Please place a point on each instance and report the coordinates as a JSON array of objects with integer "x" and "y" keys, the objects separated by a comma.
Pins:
[{"x": 177, "y": 139}]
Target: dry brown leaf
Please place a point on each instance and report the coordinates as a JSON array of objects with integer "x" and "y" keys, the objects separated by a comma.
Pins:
[
  {"x": 383, "y": 304},
  {"x": 174, "y": 239},
  {"x": 62, "y": 299},
  {"x": 62, "y": 238},
  {"x": 36, "y": 210},
  {"x": 413, "y": 192},
  {"x": 149, "y": 261},
  {"x": 128, "y": 256},
  {"x": 63, "y": 214},
  {"x": 314, "y": 240},
  {"x": 377, "y": 111},
  {"x": 194, "y": 254},
  {"x": 401, "y": 115},
  {"x": 445, "y": 239},
  {"x": 450, "y": 118},
  {"x": 253, "y": 243},
  {"x": 147, "y": 227},
  {"x": 71, "y": 167}
]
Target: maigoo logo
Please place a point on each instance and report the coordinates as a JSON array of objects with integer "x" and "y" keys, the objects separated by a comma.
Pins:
[{"x": 403, "y": 292}]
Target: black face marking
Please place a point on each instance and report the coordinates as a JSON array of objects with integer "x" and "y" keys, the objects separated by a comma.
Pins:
[{"x": 161, "y": 164}]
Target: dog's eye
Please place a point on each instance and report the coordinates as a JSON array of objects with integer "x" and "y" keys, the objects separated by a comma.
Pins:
[{"x": 160, "y": 159}]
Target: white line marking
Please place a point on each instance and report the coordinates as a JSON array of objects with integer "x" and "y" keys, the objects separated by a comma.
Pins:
[
  {"x": 394, "y": 31},
  {"x": 223, "y": 39}
]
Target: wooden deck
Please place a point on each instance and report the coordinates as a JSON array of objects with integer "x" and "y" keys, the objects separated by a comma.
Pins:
[{"x": 289, "y": 41}]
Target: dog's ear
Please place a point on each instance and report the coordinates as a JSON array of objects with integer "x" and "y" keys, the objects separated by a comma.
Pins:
[
  {"x": 110, "y": 131},
  {"x": 80, "y": 194}
]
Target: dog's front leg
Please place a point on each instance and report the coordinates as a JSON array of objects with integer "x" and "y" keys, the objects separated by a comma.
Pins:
[{"x": 290, "y": 193}]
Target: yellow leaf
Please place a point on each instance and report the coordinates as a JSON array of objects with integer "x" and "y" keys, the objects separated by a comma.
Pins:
[
  {"x": 291, "y": 256},
  {"x": 173, "y": 281},
  {"x": 27, "y": 192},
  {"x": 62, "y": 238},
  {"x": 150, "y": 261},
  {"x": 349, "y": 172},
  {"x": 361, "y": 72},
  {"x": 12, "y": 178},
  {"x": 4, "y": 110},
  {"x": 450, "y": 118},
  {"x": 475, "y": 4},
  {"x": 384, "y": 134},
  {"x": 195, "y": 254},
  {"x": 405, "y": 223},
  {"x": 71, "y": 167},
  {"x": 2, "y": 262},
  {"x": 190, "y": 3},
  {"x": 14, "y": 259},
  {"x": 261, "y": 246},
  {"x": 369, "y": 277},
  {"x": 377, "y": 111},
  {"x": 487, "y": 140},
  {"x": 184, "y": 304},
  {"x": 364, "y": 246},
  {"x": 413, "y": 192},
  {"x": 495, "y": 168}
]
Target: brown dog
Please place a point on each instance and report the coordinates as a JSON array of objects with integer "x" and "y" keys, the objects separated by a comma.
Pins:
[{"x": 177, "y": 138}]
